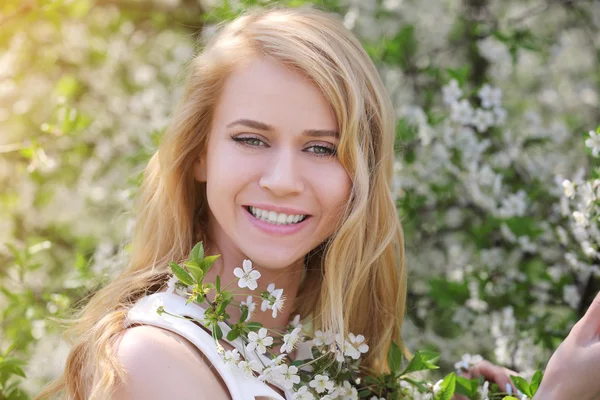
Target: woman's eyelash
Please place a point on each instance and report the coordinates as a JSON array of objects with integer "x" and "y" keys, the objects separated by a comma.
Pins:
[
  {"x": 254, "y": 142},
  {"x": 329, "y": 151},
  {"x": 247, "y": 141}
]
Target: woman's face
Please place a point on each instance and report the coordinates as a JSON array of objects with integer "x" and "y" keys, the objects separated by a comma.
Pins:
[{"x": 275, "y": 187}]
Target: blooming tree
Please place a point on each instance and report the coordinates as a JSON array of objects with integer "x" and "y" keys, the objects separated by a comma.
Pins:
[{"x": 496, "y": 173}]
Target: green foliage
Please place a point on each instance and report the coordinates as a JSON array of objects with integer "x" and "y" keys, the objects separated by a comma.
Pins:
[
  {"x": 447, "y": 388},
  {"x": 422, "y": 360},
  {"x": 81, "y": 123}
]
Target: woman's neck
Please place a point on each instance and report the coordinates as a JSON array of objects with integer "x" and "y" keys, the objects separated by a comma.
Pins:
[{"x": 287, "y": 278}]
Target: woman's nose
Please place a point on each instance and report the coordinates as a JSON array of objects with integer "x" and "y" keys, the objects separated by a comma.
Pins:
[{"x": 282, "y": 174}]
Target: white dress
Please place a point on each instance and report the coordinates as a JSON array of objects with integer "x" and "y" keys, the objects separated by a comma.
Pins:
[{"x": 240, "y": 386}]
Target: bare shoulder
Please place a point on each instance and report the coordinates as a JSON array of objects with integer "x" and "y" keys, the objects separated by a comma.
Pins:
[{"x": 161, "y": 364}]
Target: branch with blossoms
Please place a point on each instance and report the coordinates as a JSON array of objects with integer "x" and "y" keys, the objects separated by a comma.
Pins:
[{"x": 333, "y": 370}]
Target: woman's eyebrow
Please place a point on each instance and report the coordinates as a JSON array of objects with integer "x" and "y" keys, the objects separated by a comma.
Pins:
[{"x": 266, "y": 127}]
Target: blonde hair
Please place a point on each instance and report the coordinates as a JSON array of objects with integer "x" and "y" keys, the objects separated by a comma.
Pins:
[{"x": 354, "y": 282}]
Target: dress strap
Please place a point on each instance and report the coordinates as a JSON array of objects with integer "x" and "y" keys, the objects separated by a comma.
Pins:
[{"x": 144, "y": 312}]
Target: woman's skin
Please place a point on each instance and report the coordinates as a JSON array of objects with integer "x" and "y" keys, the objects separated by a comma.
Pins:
[{"x": 574, "y": 368}]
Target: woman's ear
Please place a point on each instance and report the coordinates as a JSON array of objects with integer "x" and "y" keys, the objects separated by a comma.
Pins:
[{"x": 200, "y": 169}]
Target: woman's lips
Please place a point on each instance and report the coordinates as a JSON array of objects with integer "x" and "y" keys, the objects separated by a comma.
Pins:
[{"x": 267, "y": 227}]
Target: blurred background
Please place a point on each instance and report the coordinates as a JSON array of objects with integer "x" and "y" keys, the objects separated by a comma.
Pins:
[{"x": 497, "y": 104}]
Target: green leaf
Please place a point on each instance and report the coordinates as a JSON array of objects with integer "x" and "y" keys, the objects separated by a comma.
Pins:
[
  {"x": 181, "y": 274},
  {"x": 521, "y": 384},
  {"x": 222, "y": 306},
  {"x": 12, "y": 366},
  {"x": 244, "y": 315},
  {"x": 394, "y": 358},
  {"x": 509, "y": 398},
  {"x": 217, "y": 331},
  {"x": 195, "y": 270},
  {"x": 447, "y": 388},
  {"x": 536, "y": 380},
  {"x": 208, "y": 262},
  {"x": 68, "y": 86},
  {"x": 227, "y": 295},
  {"x": 430, "y": 356},
  {"x": 466, "y": 387},
  {"x": 253, "y": 326},
  {"x": 460, "y": 74},
  {"x": 421, "y": 361},
  {"x": 197, "y": 253},
  {"x": 233, "y": 334},
  {"x": 218, "y": 283}
]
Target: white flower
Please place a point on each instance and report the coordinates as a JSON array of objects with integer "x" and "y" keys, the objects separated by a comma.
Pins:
[
  {"x": 321, "y": 383},
  {"x": 490, "y": 97},
  {"x": 294, "y": 323},
  {"x": 588, "y": 249},
  {"x": 290, "y": 340},
  {"x": 322, "y": 338},
  {"x": 462, "y": 112},
  {"x": 526, "y": 244},
  {"x": 246, "y": 368},
  {"x": 587, "y": 194},
  {"x": 484, "y": 391},
  {"x": 251, "y": 306},
  {"x": 259, "y": 341},
  {"x": 437, "y": 386},
  {"x": 500, "y": 114},
  {"x": 580, "y": 218},
  {"x": 274, "y": 301},
  {"x": 569, "y": 188},
  {"x": 593, "y": 143},
  {"x": 482, "y": 120},
  {"x": 288, "y": 375},
  {"x": 303, "y": 394},
  {"x": 358, "y": 342},
  {"x": 346, "y": 392},
  {"x": 467, "y": 362},
  {"x": 247, "y": 276},
  {"x": 256, "y": 366},
  {"x": 231, "y": 357},
  {"x": 278, "y": 303},
  {"x": 355, "y": 346},
  {"x": 269, "y": 374},
  {"x": 277, "y": 360},
  {"x": 514, "y": 205},
  {"x": 451, "y": 92},
  {"x": 571, "y": 296}
]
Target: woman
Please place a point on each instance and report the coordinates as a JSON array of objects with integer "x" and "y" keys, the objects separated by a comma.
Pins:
[{"x": 281, "y": 152}]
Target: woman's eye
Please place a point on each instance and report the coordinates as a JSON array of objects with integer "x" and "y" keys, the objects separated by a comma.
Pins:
[
  {"x": 249, "y": 141},
  {"x": 321, "y": 150}
]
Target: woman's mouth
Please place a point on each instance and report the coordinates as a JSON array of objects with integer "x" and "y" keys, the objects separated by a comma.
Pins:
[{"x": 275, "y": 218}]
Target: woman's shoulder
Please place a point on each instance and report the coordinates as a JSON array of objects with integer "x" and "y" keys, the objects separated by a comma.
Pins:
[{"x": 161, "y": 364}]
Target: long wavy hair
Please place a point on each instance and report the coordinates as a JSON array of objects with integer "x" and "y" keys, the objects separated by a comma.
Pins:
[{"x": 354, "y": 282}]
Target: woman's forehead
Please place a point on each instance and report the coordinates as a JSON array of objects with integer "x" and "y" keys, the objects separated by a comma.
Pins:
[{"x": 267, "y": 91}]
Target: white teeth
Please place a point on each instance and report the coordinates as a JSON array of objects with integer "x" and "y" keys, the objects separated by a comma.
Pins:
[{"x": 275, "y": 218}]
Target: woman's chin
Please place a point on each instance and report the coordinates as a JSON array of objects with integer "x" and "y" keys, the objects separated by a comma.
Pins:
[{"x": 272, "y": 259}]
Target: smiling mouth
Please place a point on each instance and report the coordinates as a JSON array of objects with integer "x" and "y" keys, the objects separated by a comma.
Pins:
[{"x": 275, "y": 218}]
